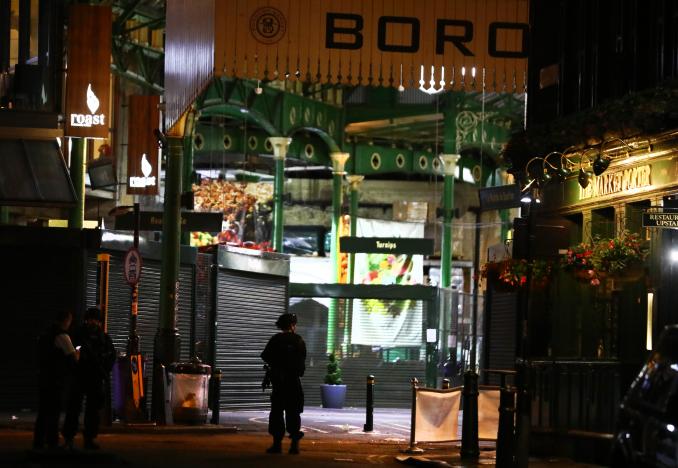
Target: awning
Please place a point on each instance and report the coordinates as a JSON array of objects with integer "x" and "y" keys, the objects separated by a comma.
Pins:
[{"x": 34, "y": 173}]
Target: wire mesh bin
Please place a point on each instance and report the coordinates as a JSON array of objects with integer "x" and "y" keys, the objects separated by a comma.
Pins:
[{"x": 188, "y": 388}]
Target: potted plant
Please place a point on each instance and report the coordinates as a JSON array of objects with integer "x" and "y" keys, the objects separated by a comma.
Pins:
[
  {"x": 333, "y": 392},
  {"x": 578, "y": 260}
]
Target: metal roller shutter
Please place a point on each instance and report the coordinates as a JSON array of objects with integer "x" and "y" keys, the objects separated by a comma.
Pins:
[
  {"x": 248, "y": 305},
  {"x": 392, "y": 367},
  {"x": 185, "y": 310},
  {"x": 501, "y": 328},
  {"x": 203, "y": 301}
]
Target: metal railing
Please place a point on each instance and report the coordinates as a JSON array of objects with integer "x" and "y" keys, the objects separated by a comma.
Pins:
[{"x": 575, "y": 396}]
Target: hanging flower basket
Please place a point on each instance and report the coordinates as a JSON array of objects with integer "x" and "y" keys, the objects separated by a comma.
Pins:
[
  {"x": 620, "y": 258},
  {"x": 511, "y": 274}
]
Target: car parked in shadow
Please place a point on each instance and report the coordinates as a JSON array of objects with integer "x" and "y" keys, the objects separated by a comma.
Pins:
[{"x": 647, "y": 432}]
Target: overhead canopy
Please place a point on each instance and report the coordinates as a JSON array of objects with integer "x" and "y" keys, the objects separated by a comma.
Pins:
[
  {"x": 451, "y": 44},
  {"x": 33, "y": 172}
]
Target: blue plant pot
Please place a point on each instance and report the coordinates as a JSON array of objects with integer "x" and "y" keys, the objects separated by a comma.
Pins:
[{"x": 333, "y": 396}]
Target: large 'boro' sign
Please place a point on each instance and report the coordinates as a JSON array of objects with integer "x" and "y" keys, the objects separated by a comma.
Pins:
[
  {"x": 382, "y": 42},
  {"x": 88, "y": 83}
]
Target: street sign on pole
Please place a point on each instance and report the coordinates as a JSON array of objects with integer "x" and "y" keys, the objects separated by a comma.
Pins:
[{"x": 132, "y": 266}]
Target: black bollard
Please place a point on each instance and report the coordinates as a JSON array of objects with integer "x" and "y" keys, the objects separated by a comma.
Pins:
[
  {"x": 369, "y": 405},
  {"x": 215, "y": 392},
  {"x": 469, "y": 430},
  {"x": 505, "y": 431}
]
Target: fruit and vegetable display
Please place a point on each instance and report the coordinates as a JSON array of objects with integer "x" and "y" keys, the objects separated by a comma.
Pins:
[{"x": 247, "y": 209}]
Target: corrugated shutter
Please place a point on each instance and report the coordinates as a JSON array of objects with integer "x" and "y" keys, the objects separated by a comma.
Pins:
[
  {"x": 501, "y": 327},
  {"x": 203, "y": 303},
  {"x": 248, "y": 305},
  {"x": 119, "y": 304},
  {"x": 392, "y": 367}
]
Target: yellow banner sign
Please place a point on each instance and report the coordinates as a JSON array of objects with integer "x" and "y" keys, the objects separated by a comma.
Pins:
[{"x": 409, "y": 43}]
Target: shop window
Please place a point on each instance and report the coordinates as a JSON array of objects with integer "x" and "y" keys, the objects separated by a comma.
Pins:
[
  {"x": 634, "y": 218},
  {"x": 603, "y": 223},
  {"x": 576, "y": 229}
]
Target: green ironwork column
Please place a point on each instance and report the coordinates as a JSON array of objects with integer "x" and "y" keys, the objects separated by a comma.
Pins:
[
  {"x": 166, "y": 346},
  {"x": 4, "y": 215},
  {"x": 338, "y": 163},
  {"x": 280, "y": 147},
  {"x": 187, "y": 179},
  {"x": 449, "y": 167},
  {"x": 354, "y": 182},
  {"x": 76, "y": 217}
]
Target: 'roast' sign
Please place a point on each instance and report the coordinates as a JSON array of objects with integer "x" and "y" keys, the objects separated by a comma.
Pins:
[
  {"x": 142, "y": 146},
  {"x": 88, "y": 83}
]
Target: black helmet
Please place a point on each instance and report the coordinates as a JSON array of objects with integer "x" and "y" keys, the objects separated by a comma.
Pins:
[{"x": 285, "y": 321}]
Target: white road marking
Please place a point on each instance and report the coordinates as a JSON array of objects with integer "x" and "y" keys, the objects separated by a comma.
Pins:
[{"x": 308, "y": 428}]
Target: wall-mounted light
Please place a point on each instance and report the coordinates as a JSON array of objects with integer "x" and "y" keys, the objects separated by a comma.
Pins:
[
  {"x": 557, "y": 173},
  {"x": 584, "y": 177}
]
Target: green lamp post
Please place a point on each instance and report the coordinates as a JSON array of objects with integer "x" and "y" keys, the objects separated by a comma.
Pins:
[
  {"x": 280, "y": 147},
  {"x": 449, "y": 168},
  {"x": 338, "y": 172}
]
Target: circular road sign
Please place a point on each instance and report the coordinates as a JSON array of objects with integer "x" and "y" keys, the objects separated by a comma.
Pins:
[{"x": 132, "y": 266}]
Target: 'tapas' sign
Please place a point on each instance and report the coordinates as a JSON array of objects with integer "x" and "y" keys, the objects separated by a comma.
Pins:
[
  {"x": 142, "y": 146},
  {"x": 88, "y": 80}
]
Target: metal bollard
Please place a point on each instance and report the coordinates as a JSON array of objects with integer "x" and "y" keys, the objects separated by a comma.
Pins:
[
  {"x": 446, "y": 384},
  {"x": 469, "y": 430},
  {"x": 369, "y": 405},
  {"x": 505, "y": 431},
  {"x": 215, "y": 392}
]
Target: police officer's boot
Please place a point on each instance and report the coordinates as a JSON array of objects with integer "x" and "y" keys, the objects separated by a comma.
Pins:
[
  {"x": 294, "y": 447},
  {"x": 276, "y": 447}
]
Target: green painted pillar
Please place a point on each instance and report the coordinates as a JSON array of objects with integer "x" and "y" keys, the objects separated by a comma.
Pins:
[
  {"x": 187, "y": 179},
  {"x": 280, "y": 147},
  {"x": 338, "y": 163},
  {"x": 449, "y": 167},
  {"x": 166, "y": 345},
  {"x": 4, "y": 215},
  {"x": 76, "y": 217},
  {"x": 354, "y": 183}
]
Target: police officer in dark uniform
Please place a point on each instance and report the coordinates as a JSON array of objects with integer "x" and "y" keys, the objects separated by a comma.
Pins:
[
  {"x": 97, "y": 355},
  {"x": 56, "y": 360},
  {"x": 285, "y": 355}
]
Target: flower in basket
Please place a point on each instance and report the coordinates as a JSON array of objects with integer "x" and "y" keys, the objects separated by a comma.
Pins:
[
  {"x": 579, "y": 260},
  {"x": 616, "y": 255},
  {"x": 541, "y": 273},
  {"x": 514, "y": 272}
]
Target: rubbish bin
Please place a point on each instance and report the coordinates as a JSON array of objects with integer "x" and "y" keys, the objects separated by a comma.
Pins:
[{"x": 188, "y": 384}]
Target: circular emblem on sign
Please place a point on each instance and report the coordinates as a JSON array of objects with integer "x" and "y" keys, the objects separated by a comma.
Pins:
[
  {"x": 307, "y": 115},
  {"x": 477, "y": 173},
  {"x": 436, "y": 164},
  {"x": 423, "y": 162},
  {"x": 252, "y": 142},
  {"x": 268, "y": 25},
  {"x": 132, "y": 266},
  {"x": 198, "y": 141},
  {"x": 268, "y": 145},
  {"x": 400, "y": 160},
  {"x": 293, "y": 115}
]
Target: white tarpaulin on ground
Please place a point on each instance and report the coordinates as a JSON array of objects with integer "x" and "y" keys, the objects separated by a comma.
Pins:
[
  {"x": 437, "y": 416},
  {"x": 488, "y": 414}
]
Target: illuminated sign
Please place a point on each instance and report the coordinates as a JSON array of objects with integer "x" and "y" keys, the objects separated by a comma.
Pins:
[
  {"x": 613, "y": 182},
  {"x": 87, "y": 120},
  {"x": 142, "y": 146},
  {"x": 88, "y": 80},
  {"x": 147, "y": 180}
]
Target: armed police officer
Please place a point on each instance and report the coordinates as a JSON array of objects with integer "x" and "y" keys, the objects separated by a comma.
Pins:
[
  {"x": 285, "y": 355},
  {"x": 97, "y": 355}
]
